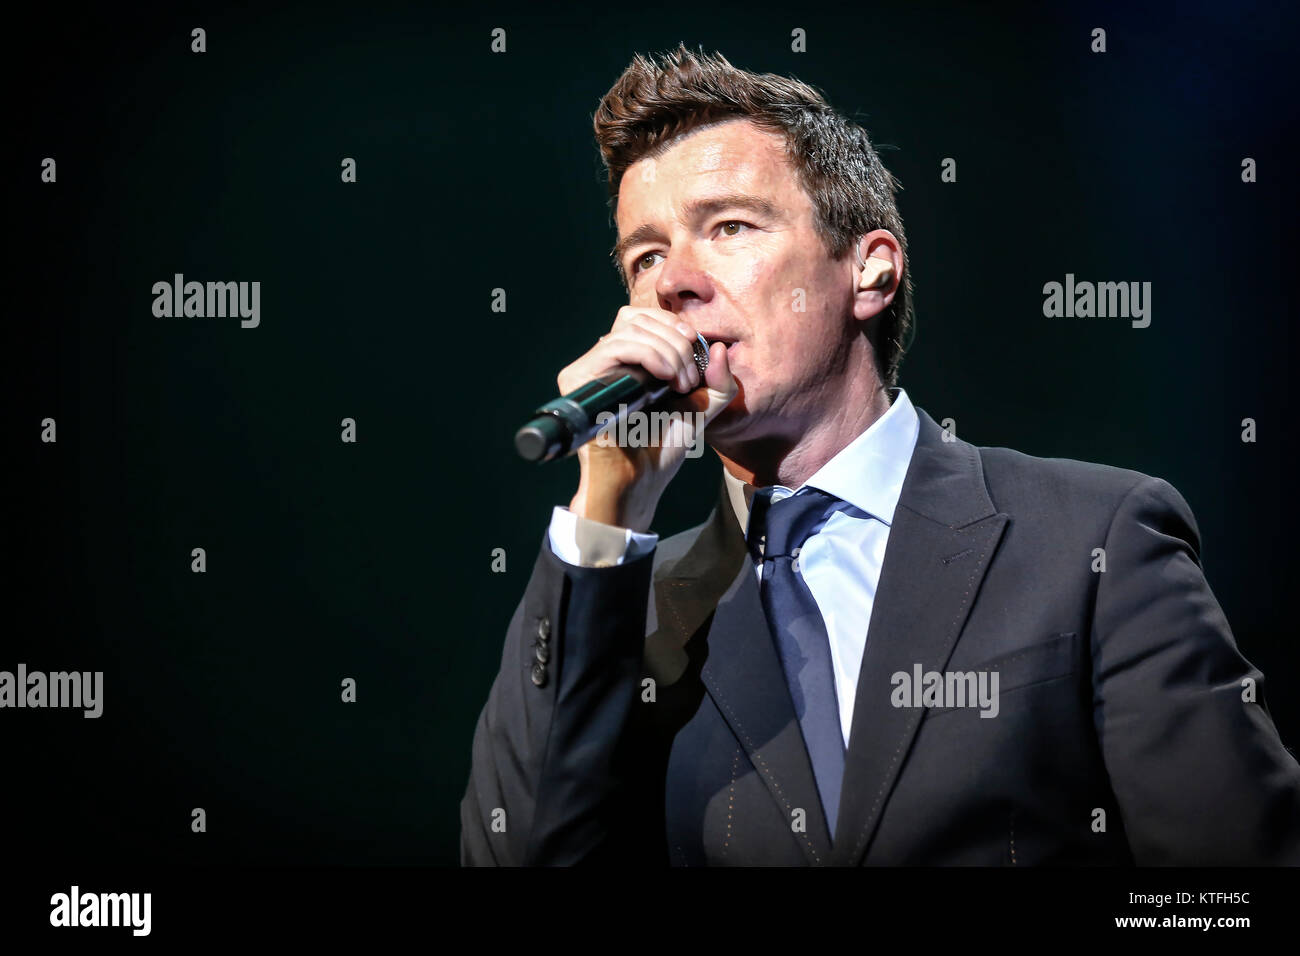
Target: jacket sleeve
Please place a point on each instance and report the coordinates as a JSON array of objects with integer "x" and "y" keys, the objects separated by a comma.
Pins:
[
  {"x": 551, "y": 782},
  {"x": 1196, "y": 764}
]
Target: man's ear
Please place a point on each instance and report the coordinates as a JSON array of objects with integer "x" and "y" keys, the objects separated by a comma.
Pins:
[
  {"x": 879, "y": 272},
  {"x": 880, "y": 260}
]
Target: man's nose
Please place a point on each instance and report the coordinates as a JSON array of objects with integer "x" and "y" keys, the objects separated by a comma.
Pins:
[{"x": 682, "y": 276}]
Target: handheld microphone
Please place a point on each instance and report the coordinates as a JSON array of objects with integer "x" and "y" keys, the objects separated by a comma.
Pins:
[{"x": 564, "y": 424}]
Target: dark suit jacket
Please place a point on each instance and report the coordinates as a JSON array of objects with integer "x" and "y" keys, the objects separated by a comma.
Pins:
[{"x": 1122, "y": 734}]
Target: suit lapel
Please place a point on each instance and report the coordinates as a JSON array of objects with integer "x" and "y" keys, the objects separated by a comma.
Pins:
[
  {"x": 944, "y": 534},
  {"x": 742, "y": 673}
]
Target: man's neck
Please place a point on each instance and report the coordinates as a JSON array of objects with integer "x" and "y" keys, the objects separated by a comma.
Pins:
[{"x": 790, "y": 462}]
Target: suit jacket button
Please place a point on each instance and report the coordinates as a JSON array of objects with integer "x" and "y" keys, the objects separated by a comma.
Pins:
[
  {"x": 539, "y": 674},
  {"x": 544, "y": 629},
  {"x": 543, "y": 653}
]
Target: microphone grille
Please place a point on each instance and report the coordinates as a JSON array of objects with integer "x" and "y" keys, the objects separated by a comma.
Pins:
[{"x": 701, "y": 348}]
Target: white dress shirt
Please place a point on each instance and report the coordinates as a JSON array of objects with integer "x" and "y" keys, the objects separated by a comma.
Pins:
[{"x": 841, "y": 563}]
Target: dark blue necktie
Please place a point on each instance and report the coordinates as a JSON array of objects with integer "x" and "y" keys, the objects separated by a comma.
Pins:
[{"x": 800, "y": 633}]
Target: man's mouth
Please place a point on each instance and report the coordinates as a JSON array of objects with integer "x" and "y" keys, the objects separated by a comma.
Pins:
[{"x": 730, "y": 341}]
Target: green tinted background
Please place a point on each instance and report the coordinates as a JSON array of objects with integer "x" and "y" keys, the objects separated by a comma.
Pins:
[{"x": 475, "y": 172}]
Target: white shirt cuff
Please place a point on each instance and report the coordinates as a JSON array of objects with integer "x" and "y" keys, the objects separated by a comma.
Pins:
[{"x": 593, "y": 544}]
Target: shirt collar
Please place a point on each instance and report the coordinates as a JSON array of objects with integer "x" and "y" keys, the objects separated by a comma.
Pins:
[{"x": 867, "y": 473}]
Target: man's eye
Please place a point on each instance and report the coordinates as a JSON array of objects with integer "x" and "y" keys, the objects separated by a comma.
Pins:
[
  {"x": 637, "y": 263},
  {"x": 731, "y": 227}
]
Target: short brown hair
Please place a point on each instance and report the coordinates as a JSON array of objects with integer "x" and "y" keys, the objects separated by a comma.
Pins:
[{"x": 653, "y": 103}]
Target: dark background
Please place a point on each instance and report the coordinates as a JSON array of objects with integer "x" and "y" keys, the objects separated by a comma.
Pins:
[{"x": 477, "y": 171}]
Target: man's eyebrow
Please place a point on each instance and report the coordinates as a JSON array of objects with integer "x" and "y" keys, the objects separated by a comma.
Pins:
[{"x": 695, "y": 209}]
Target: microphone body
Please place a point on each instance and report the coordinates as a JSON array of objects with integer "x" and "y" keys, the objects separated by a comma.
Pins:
[{"x": 563, "y": 425}]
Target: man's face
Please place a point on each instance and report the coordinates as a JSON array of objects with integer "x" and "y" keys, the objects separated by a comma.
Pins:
[{"x": 718, "y": 230}]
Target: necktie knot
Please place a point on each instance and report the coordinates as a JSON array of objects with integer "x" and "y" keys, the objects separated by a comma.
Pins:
[{"x": 786, "y": 524}]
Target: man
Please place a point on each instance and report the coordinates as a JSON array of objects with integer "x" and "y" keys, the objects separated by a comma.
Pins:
[{"x": 885, "y": 645}]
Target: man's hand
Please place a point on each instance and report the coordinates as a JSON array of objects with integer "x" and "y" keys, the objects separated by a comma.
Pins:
[{"x": 622, "y": 486}]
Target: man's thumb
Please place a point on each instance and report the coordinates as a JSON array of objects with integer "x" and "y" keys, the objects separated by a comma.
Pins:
[{"x": 721, "y": 384}]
